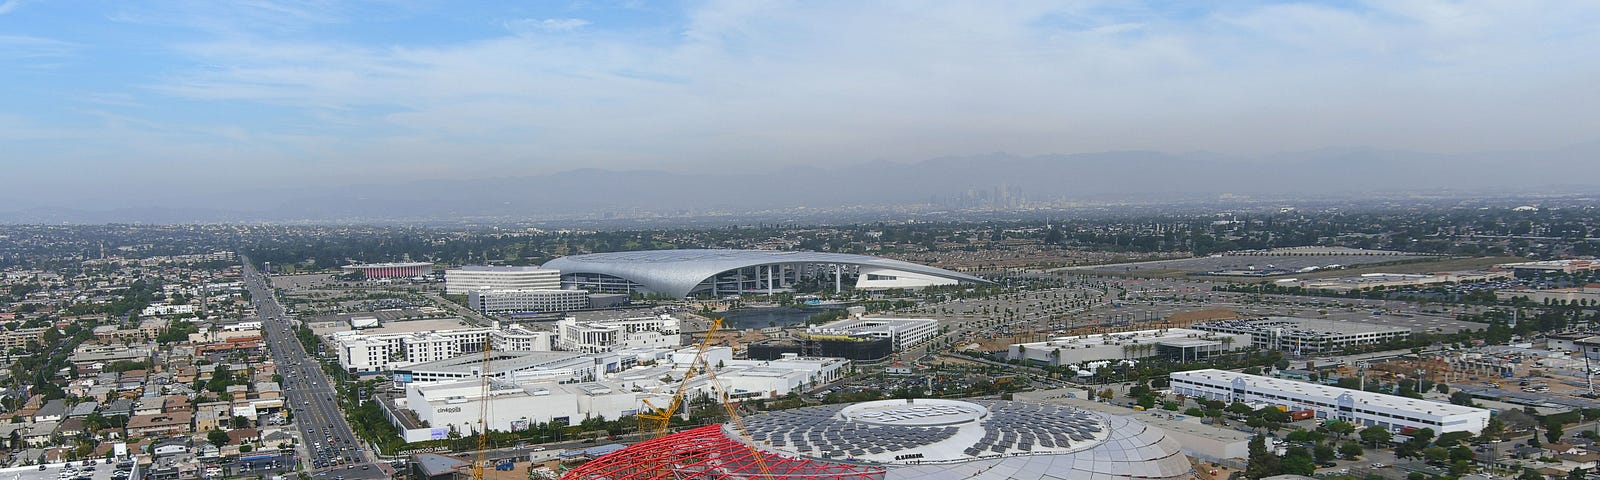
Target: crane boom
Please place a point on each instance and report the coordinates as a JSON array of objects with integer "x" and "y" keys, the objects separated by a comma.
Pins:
[
  {"x": 738, "y": 423},
  {"x": 661, "y": 418}
]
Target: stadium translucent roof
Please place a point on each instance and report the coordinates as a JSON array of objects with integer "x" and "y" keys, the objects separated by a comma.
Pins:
[{"x": 677, "y": 272}]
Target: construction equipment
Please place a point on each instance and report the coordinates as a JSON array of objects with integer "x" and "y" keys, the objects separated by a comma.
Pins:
[
  {"x": 738, "y": 422},
  {"x": 485, "y": 389},
  {"x": 660, "y": 418}
]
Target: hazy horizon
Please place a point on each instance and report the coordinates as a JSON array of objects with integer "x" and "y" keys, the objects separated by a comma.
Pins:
[{"x": 107, "y": 98}]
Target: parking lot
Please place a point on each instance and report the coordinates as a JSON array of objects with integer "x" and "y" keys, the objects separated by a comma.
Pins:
[
  {"x": 1290, "y": 263},
  {"x": 100, "y": 470}
]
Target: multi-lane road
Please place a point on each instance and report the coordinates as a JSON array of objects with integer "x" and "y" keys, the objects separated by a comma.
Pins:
[{"x": 332, "y": 450}]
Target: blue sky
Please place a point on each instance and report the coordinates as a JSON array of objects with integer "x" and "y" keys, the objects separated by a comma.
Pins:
[{"x": 103, "y": 94}]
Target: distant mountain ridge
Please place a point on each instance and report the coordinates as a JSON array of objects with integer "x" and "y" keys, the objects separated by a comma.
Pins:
[{"x": 1086, "y": 176}]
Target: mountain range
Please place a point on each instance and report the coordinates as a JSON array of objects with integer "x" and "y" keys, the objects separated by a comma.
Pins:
[{"x": 1086, "y": 177}]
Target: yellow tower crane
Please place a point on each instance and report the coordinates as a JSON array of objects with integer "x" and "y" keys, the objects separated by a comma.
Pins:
[
  {"x": 738, "y": 422},
  {"x": 660, "y": 418},
  {"x": 485, "y": 388}
]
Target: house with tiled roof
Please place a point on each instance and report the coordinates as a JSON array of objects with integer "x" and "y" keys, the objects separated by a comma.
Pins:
[{"x": 159, "y": 424}]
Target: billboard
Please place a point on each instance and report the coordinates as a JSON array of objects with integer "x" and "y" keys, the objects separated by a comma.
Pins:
[
  {"x": 519, "y": 425},
  {"x": 439, "y": 434}
]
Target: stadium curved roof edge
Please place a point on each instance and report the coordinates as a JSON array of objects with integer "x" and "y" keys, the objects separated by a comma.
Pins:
[{"x": 677, "y": 272}]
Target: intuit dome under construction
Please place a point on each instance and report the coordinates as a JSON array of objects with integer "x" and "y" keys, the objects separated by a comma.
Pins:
[{"x": 903, "y": 439}]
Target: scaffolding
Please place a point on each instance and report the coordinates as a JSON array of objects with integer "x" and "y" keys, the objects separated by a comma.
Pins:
[{"x": 709, "y": 453}]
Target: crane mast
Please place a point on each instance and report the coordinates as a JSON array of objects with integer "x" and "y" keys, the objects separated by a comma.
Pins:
[
  {"x": 660, "y": 418},
  {"x": 485, "y": 388}
]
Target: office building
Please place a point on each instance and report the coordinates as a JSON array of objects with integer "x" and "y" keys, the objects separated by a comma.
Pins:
[
  {"x": 459, "y": 281},
  {"x": 517, "y": 338},
  {"x": 606, "y": 335},
  {"x": 361, "y": 353},
  {"x": 490, "y": 302}
]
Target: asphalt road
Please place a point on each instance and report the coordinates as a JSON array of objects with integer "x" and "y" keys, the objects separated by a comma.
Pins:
[{"x": 332, "y": 449}]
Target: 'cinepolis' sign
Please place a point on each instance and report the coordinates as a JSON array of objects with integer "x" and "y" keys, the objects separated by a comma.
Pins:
[{"x": 448, "y": 410}]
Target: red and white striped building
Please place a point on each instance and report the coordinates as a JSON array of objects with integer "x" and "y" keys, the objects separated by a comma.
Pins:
[{"x": 391, "y": 270}]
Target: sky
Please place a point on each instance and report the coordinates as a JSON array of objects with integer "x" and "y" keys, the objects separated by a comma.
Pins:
[{"x": 211, "y": 95}]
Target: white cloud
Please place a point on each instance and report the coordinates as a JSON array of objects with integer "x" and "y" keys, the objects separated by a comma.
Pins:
[
  {"x": 546, "y": 24},
  {"x": 756, "y": 84},
  {"x": 9, "y": 6},
  {"x": 14, "y": 47}
]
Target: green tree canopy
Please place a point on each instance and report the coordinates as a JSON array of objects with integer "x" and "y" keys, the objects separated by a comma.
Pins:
[
  {"x": 217, "y": 437},
  {"x": 1376, "y": 436}
]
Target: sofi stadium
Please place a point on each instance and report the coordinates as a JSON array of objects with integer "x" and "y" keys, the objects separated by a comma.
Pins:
[
  {"x": 682, "y": 273},
  {"x": 903, "y": 439}
]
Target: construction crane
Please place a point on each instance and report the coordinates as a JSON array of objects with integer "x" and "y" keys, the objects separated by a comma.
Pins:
[
  {"x": 485, "y": 388},
  {"x": 738, "y": 422},
  {"x": 660, "y": 418}
]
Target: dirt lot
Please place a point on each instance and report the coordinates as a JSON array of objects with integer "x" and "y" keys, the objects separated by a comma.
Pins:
[{"x": 1185, "y": 318}]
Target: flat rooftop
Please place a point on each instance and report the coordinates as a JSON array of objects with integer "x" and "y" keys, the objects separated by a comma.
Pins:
[
  {"x": 1328, "y": 392},
  {"x": 502, "y": 361},
  {"x": 413, "y": 326},
  {"x": 102, "y": 471},
  {"x": 1167, "y": 335},
  {"x": 1303, "y": 326},
  {"x": 502, "y": 268},
  {"x": 390, "y": 265}
]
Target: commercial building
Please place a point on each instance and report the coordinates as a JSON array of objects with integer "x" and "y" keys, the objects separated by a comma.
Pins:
[
  {"x": 929, "y": 439},
  {"x": 1584, "y": 295},
  {"x": 1304, "y": 336},
  {"x": 517, "y": 338},
  {"x": 362, "y": 353},
  {"x": 1528, "y": 269},
  {"x": 455, "y": 406},
  {"x": 459, "y": 281},
  {"x": 681, "y": 273},
  {"x": 606, "y": 335},
  {"x": 766, "y": 379},
  {"x": 852, "y": 348},
  {"x": 521, "y": 301},
  {"x": 901, "y": 332},
  {"x": 507, "y": 366},
  {"x": 20, "y": 337},
  {"x": 1178, "y": 344},
  {"x": 1330, "y": 402},
  {"x": 391, "y": 270}
]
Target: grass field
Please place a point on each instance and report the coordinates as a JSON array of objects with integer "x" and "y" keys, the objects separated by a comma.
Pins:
[{"x": 1414, "y": 266}]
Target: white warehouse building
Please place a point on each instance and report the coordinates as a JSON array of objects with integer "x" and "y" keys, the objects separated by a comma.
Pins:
[
  {"x": 1330, "y": 402},
  {"x": 508, "y": 366},
  {"x": 901, "y": 332},
  {"x": 445, "y": 406},
  {"x": 480, "y": 277},
  {"x": 1179, "y": 344},
  {"x": 766, "y": 379}
]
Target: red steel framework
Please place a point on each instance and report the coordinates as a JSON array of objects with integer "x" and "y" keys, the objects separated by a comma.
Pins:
[{"x": 707, "y": 453}]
